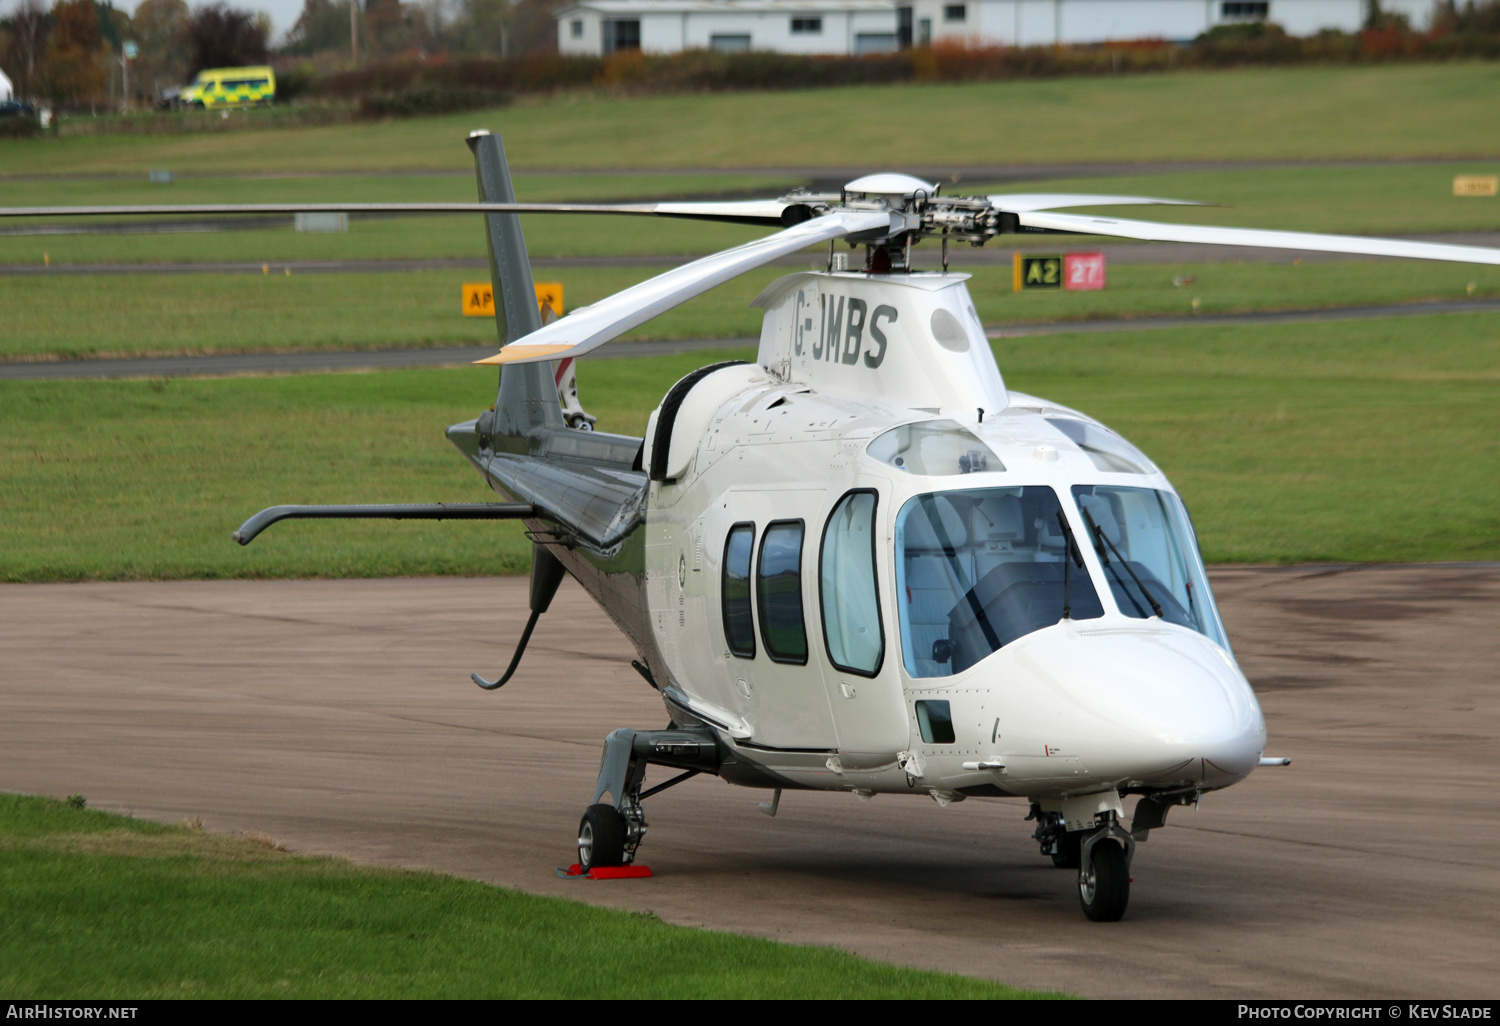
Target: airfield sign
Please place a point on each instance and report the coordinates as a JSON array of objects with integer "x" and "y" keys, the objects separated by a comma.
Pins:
[
  {"x": 479, "y": 298},
  {"x": 1073, "y": 272}
]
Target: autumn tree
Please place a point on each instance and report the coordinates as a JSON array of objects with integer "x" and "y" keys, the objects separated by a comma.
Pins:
[
  {"x": 222, "y": 37},
  {"x": 25, "y": 48},
  {"x": 323, "y": 25},
  {"x": 161, "y": 31},
  {"x": 76, "y": 71}
]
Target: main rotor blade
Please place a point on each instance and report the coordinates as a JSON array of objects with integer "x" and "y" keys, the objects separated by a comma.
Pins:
[
  {"x": 737, "y": 212},
  {"x": 1151, "y": 231},
  {"x": 589, "y": 327},
  {"x": 1021, "y": 202}
]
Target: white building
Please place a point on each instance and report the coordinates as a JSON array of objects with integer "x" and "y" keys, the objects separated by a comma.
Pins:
[
  {"x": 1049, "y": 22},
  {"x": 6, "y": 92},
  {"x": 839, "y": 27},
  {"x": 597, "y": 27}
]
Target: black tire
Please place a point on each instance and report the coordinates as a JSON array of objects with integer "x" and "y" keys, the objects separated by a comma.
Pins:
[
  {"x": 1069, "y": 850},
  {"x": 601, "y": 838},
  {"x": 1104, "y": 886}
]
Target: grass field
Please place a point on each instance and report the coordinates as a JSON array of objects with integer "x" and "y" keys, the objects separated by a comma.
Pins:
[
  {"x": 82, "y": 315},
  {"x": 94, "y": 905},
  {"x": 1318, "y": 442},
  {"x": 1416, "y": 110}
]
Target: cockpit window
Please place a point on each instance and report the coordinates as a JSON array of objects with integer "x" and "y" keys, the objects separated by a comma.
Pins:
[
  {"x": 979, "y": 568},
  {"x": 1109, "y": 451},
  {"x": 935, "y": 448},
  {"x": 1150, "y": 558}
]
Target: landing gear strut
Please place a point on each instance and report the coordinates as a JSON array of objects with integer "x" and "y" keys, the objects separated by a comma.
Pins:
[
  {"x": 1104, "y": 870},
  {"x": 614, "y": 825}
]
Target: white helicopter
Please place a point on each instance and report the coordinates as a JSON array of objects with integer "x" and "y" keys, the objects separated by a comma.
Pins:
[{"x": 861, "y": 563}]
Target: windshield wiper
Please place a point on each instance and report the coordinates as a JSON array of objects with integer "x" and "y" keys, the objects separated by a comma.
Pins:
[
  {"x": 1077, "y": 556},
  {"x": 1101, "y": 540}
]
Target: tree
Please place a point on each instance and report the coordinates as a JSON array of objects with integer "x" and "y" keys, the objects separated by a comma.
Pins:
[
  {"x": 395, "y": 27},
  {"x": 24, "y": 53},
  {"x": 222, "y": 37},
  {"x": 508, "y": 29},
  {"x": 1472, "y": 18},
  {"x": 161, "y": 31},
  {"x": 76, "y": 68},
  {"x": 322, "y": 25},
  {"x": 482, "y": 26},
  {"x": 535, "y": 28}
]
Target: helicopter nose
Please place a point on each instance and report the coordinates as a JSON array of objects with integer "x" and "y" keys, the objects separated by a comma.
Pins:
[{"x": 1161, "y": 705}]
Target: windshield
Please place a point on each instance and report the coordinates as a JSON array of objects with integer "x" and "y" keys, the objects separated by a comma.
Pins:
[
  {"x": 979, "y": 568},
  {"x": 1150, "y": 558}
]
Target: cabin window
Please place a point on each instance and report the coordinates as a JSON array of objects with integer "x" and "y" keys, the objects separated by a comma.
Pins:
[
  {"x": 979, "y": 568},
  {"x": 934, "y": 448},
  {"x": 739, "y": 623},
  {"x": 1146, "y": 545},
  {"x": 1107, "y": 450},
  {"x": 935, "y": 721},
  {"x": 847, "y": 589},
  {"x": 780, "y": 592}
]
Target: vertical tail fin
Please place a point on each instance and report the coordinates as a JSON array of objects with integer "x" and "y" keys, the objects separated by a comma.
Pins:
[{"x": 527, "y": 400}]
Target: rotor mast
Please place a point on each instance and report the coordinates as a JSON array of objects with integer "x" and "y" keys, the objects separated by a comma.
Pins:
[{"x": 921, "y": 211}]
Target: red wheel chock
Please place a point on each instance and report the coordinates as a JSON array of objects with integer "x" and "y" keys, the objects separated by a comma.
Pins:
[{"x": 605, "y": 872}]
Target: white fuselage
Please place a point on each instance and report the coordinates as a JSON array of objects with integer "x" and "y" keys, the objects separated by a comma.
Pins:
[{"x": 1106, "y": 700}]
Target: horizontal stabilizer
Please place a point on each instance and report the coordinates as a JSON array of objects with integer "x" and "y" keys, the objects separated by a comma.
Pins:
[
  {"x": 423, "y": 511},
  {"x": 589, "y": 327},
  {"x": 1150, "y": 231}
]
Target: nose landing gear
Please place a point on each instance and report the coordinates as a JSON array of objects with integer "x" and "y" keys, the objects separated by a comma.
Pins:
[
  {"x": 1101, "y": 855},
  {"x": 1104, "y": 870}
]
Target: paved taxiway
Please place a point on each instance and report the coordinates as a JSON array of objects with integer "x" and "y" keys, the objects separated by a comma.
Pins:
[{"x": 337, "y": 717}]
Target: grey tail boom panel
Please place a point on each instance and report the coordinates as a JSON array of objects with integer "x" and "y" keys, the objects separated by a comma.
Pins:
[{"x": 526, "y": 404}]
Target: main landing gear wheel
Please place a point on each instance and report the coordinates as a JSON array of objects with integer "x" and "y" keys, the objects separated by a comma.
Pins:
[
  {"x": 601, "y": 838},
  {"x": 1069, "y": 850},
  {"x": 1104, "y": 884}
]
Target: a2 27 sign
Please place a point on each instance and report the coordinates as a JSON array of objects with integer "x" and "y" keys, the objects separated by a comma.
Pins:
[{"x": 1075, "y": 272}]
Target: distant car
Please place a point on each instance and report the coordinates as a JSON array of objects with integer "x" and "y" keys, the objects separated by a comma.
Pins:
[
  {"x": 16, "y": 109},
  {"x": 170, "y": 98},
  {"x": 230, "y": 87}
]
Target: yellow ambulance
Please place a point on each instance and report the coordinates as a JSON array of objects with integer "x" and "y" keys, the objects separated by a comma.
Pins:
[{"x": 230, "y": 87}]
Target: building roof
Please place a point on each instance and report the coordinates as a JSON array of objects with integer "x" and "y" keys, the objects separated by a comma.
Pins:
[{"x": 613, "y": 7}]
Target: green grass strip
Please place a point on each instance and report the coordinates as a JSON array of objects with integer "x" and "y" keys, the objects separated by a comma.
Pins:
[
  {"x": 94, "y": 905},
  {"x": 1333, "y": 442},
  {"x": 86, "y": 315},
  {"x": 1318, "y": 113}
]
